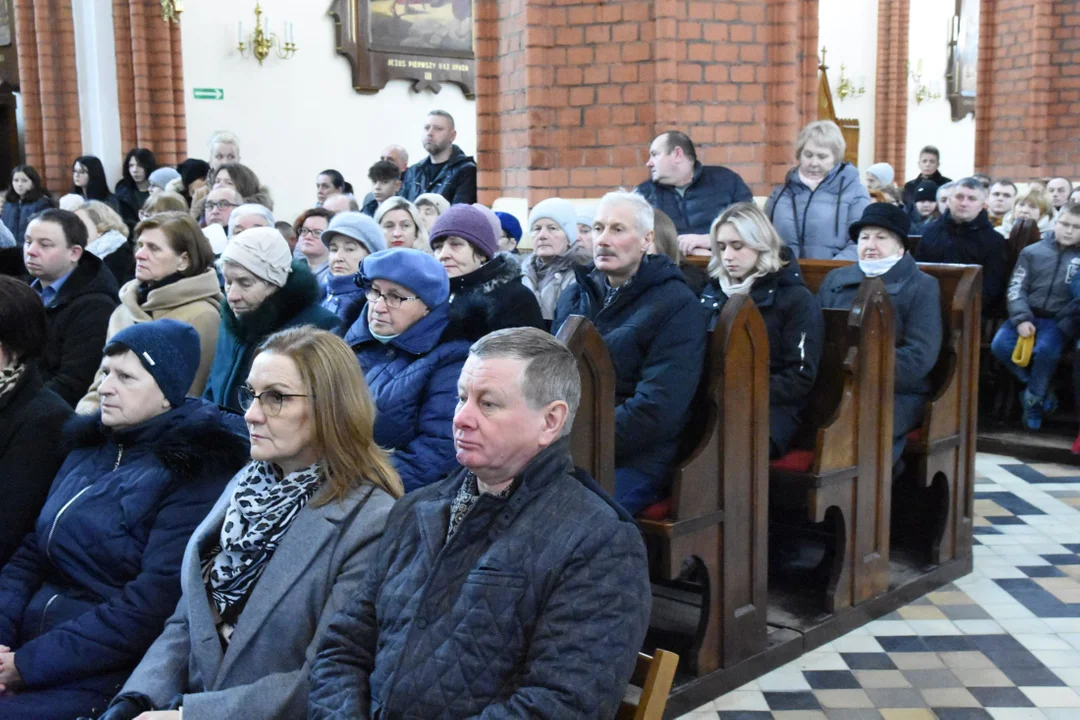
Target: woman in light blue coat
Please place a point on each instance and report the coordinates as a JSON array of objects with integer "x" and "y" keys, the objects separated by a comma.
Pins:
[
  {"x": 284, "y": 548},
  {"x": 820, "y": 197}
]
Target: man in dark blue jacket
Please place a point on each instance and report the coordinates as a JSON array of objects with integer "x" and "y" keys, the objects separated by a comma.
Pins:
[
  {"x": 655, "y": 329},
  {"x": 446, "y": 170},
  {"x": 692, "y": 194},
  {"x": 513, "y": 588}
]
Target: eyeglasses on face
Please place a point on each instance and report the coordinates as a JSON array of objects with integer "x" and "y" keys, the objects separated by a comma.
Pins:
[
  {"x": 212, "y": 205},
  {"x": 392, "y": 300},
  {"x": 271, "y": 401},
  {"x": 310, "y": 231}
]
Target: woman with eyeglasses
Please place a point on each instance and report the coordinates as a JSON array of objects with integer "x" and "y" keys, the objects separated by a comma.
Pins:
[
  {"x": 265, "y": 291},
  {"x": 411, "y": 354},
  {"x": 309, "y": 228},
  {"x": 288, "y": 542},
  {"x": 88, "y": 180}
]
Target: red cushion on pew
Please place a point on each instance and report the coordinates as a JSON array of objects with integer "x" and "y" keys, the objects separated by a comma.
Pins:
[
  {"x": 794, "y": 461},
  {"x": 657, "y": 511},
  {"x": 913, "y": 436}
]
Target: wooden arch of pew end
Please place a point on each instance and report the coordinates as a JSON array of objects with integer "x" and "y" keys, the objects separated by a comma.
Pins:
[
  {"x": 841, "y": 476},
  {"x": 717, "y": 516},
  {"x": 592, "y": 442},
  {"x": 653, "y": 676}
]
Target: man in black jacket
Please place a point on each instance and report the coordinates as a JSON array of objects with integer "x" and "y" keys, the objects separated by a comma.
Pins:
[
  {"x": 964, "y": 235},
  {"x": 929, "y": 158},
  {"x": 79, "y": 294},
  {"x": 691, "y": 194},
  {"x": 655, "y": 329},
  {"x": 446, "y": 170}
]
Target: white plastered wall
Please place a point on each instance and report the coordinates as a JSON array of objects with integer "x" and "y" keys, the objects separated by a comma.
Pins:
[
  {"x": 300, "y": 116},
  {"x": 847, "y": 29}
]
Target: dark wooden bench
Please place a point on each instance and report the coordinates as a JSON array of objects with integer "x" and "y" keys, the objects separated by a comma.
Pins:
[
  {"x": 839, "y": 474},
  {"x": 716, "y": 516},
  {"x": 940, "y": 454}
]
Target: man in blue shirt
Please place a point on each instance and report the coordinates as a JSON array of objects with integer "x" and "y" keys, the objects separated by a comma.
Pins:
[
  {"x": 691, "y": 194},
  {"x": 79, "y": 294}
]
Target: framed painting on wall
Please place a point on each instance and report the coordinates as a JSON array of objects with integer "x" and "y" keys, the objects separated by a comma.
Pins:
[
  {"x": 961, "y": 72},
  {"x": 427, "y": 41}
]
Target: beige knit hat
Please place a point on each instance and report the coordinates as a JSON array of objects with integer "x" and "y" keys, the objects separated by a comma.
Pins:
[{"x": 263, "y": 252}]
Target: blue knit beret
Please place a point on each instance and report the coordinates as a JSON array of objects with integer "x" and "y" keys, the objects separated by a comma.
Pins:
[
  {"x": 169, "y": 350},
  {"x": 510, "y": 225},
  {"x": 413, "y": 269}
]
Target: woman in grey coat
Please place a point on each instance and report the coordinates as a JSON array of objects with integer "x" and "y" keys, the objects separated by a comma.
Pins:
[
  {"x": 287, "y": 543},
  {"x": 550, "y": 268},
  {"x": 820, "y": 197}
]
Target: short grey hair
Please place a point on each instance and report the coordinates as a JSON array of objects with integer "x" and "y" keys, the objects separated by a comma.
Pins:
[
  {"x": 825, "y": 133},
  {"x": 551, "y": 371},
  {"x": 971, "y": 184},
  {"x": 644, "y": 215},
  {"x": 448, "y": 116},
  {"x": 250, "y": 209},
  {"x": 946, "y": 186}
]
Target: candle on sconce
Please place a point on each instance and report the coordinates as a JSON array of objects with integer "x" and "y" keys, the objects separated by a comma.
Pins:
[
  {"x": 292, "y": 33},
  {"x": 240, "y": 32}
]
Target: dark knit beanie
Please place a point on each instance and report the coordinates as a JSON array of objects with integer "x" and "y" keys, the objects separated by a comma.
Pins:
[
  {"x": 469, "y": 224},
  {"x": 169, "y": 350},
  {"x": 926, "y": 190}
]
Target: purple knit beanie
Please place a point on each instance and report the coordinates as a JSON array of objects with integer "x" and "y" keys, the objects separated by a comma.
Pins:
[{"x": 469, "y": 224}]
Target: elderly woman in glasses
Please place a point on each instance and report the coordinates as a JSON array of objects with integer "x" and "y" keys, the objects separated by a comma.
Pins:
[
  {"x": 284, "y": 547},
  {"x": 411, "y": 354}
]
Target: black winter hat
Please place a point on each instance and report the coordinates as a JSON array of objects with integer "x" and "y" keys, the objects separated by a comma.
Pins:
[
  {"x": 926, "y": 190},
  {"x": 882, "y": 215}
]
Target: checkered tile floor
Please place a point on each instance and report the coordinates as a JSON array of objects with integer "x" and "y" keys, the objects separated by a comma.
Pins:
[{"x": 1001, "y": 643}]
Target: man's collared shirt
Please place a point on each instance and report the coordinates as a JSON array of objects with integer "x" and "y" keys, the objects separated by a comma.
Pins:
[{"x": 48, "y": 294}]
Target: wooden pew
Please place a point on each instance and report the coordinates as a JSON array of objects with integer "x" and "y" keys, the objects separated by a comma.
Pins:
[
  {"x": 941, "y": 453},
  {"x": 592, "y": 441},
  {"x": 718, "y": 510},
  {"x": 653, "y": 676},
  {"x": 841, "y": 472}
]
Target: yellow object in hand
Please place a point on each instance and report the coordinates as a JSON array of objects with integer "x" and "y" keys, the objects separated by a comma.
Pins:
[{"x": 1021, "y": 356}]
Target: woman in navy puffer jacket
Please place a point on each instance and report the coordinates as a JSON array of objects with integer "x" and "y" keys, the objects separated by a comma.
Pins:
[
  {"x": 90, "y": 588},
  {"x": 411, "y": 355}
]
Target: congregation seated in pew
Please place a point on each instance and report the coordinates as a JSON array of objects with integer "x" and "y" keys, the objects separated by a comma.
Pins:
[
  {"x": 654, "y": 328},
  {"x": 750, "y": 259},
  {"x": 916, "y": 301}
]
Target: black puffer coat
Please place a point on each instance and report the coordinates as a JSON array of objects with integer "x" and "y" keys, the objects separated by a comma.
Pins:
[
  {"x": 968, "y": 243},
  {"x": 492, "y": 297},
  {"x": 796, "y": 331},
  {"x": 455, "y": 181}
]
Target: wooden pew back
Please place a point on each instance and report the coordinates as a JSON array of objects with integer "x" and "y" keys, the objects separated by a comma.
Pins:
[
  {"x": 654, "y": 676},
  {"x": 592, "y": 441}
]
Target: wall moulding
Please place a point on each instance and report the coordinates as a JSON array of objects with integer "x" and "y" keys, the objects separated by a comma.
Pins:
[{"x": 427, "y": 41}]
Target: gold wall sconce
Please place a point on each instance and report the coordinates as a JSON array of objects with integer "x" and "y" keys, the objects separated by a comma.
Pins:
[
  {"x": 261, "y": 42},
  {"x": 923, "y": 93},
  {"x": 847, "y": 88},
  {"x": 171, "y": 9}
]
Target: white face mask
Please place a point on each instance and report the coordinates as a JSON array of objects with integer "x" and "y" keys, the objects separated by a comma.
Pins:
[{"x": 880, "y": 266}]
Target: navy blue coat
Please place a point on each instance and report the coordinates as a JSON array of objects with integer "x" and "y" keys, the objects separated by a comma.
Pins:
[
  {"x": 655, "y": 330},
  {"x": 294, "y": 305},
  {"x": 536, "y": 607},
  {"x": 17, "y": 214},
  {"x": 968, "y": 243},
  {"x": 413, "y": 380},
  {"x": 916, "y": 302},
  {"x": 712, "y": 189},
  {"x": 90, "y": 589},
  {"x": 343, "y": 296},
  {"x": 796, "y": 331}
]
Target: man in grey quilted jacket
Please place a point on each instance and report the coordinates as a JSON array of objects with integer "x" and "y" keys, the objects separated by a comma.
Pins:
[{"x": 513, "y": 588}]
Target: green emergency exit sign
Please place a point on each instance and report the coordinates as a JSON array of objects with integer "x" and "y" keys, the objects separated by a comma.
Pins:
[{"x": 209, "y": 94}]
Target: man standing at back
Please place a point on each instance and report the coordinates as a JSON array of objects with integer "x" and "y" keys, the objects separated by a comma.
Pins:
[
  {"x": 964, "y": 235},
  {"x": 691, "y": 194},
  {"x": 79, "y": 294},
  {"x": 655, "y": 329},
  {"x": 446, "y": 170}
]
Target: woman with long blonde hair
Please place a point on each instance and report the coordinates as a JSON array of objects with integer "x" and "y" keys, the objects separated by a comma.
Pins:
[
  {"x": 290, "y": 539},
  {"x": 749, "y": 258}
]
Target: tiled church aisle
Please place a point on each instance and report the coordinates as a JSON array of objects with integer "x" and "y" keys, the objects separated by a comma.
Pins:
[{"x": 1001, "y": 643}]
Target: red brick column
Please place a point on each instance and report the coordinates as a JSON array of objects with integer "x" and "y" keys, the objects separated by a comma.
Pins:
[
  {"x": 1027, "y": 114},
  {"x": 45, "y": 41},
  {"x": 571, "y": 93},
  {"x": 891, "y": 95},
  {"x": 150, "y": 80}
]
